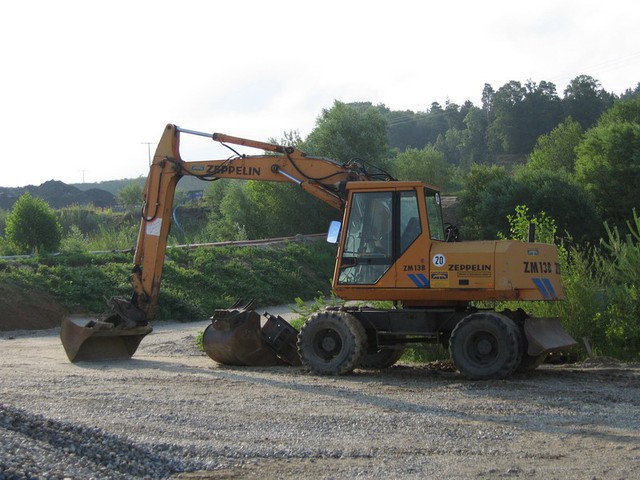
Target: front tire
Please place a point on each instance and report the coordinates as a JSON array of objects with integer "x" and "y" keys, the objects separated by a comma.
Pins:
[
  {"x": 332, "y": 343},
  {"x": 485, "y": 346}
]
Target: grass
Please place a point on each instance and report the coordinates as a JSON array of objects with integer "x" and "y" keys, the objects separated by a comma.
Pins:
[{"x": 195, "y": 282}]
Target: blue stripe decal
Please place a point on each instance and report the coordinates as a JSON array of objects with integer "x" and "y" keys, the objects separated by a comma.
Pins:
[
  {"x": 421, "y": 280},
  {"x": 550, "y": 288},
  {"x": 542, "y": 288}
]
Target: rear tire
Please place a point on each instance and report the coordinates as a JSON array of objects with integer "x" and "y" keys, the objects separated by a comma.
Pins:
[
  {"x": 383, "y": 358},
  {"x": 485, "y": 346},
  {"x": 530, "y": 363},
  {"x": 332, "y": 343}
]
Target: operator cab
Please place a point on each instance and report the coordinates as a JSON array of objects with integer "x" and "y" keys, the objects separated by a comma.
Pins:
[{"x": 383, "y": 225}]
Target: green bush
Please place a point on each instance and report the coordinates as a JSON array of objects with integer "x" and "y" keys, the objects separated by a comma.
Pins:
[
  {"x": 85, "y": 218},
  {"x": 3, "y": 221},
  {"x": 32, "y": 226},
  {"x": 619, "y": 265},
  {"x": 74, "y": 242}
]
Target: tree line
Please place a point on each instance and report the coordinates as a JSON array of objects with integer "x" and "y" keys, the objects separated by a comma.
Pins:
[{"x": 572, "y": 156}]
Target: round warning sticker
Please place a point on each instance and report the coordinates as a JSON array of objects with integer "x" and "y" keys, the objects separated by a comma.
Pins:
[{"x": 439, "y": 260}]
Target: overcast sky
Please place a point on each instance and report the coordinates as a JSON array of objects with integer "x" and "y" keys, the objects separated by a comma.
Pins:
[{"x": 85, "y": 84}]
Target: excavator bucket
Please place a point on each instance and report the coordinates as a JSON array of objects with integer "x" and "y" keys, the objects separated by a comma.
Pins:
[
  {"x": 116, "y": 337},
  {"x": 546, "y": 335},
  {"x": 86, "y": 339},
  {"x": 236, "y": 337}
]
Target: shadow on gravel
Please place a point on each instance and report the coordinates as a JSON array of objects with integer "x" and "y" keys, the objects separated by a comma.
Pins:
[
  {"x": 102, "y": 453},
  {"x": 562, "y": 400}
]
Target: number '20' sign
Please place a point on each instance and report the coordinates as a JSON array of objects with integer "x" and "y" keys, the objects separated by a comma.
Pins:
[{"x": 439, "y": 260}]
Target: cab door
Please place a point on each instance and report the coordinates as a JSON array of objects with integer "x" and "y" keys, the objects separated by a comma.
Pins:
[
  {"x": 368, "y": 242},
  {"x": 420, "y": 226}
]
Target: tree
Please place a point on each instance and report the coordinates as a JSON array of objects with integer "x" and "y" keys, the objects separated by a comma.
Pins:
[
  {"x": 491, "y": 195},
  {"x": 450, "y": 145},
  {"x": 427, "y": 165},
  {"x": 521, "y": 113},
  {"x": 542, "y": 111},
  {"x": 584, "y": 100},
  {"x": 474, "y": 140},
  {"x": 349, "y": 131},
  {"x": 630, "y": 94},
  {"x": 479, "y": 179},
  {"x": 504, "y": 129},
  {"x": 556, "y": 150},
  {"x": 608, "y": 162},
  {"x": 130, "y": 197},
  {"x": 488, "y": 94},
  {"x": 404, "y": 129},
  {"x": 32, "y": 226},
  {"x": 231, "y": 212},
  {"x": 282, "y": 209}
]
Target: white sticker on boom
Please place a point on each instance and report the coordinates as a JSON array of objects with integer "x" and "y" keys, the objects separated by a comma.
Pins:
[
  {"x": 153, "y": 227},
  {"x": 439, "y": 260}
]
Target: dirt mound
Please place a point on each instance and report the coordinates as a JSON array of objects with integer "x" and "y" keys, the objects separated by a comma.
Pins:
[
  {"x": 22, "y": 309},
  {"x": 58, "y": 194}
]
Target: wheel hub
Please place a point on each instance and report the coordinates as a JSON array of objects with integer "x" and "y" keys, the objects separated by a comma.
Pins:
[
  {"x": 328, "y": 344},
  {"x": 484, "y": 347}
]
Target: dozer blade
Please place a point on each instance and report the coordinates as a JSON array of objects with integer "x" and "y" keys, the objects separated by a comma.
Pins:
[
  {"x": 92, "y": 340},
  {"x": 546, "y": 335}
]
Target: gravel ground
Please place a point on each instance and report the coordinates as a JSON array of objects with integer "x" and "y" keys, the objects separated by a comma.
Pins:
[{"x": 172, "y": 412}]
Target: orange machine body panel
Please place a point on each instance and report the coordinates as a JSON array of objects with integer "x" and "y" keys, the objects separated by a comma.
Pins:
[{"x": 426, "y": 270}]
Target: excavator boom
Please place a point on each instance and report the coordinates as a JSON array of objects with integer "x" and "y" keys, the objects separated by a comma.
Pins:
[{"x": 119, "y": 335}]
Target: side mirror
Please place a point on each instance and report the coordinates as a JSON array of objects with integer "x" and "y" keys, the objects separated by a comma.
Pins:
[{"x": 334, "y": 231}]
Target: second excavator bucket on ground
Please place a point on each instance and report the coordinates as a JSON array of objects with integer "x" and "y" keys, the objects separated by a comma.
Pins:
[
  {"x": 237, "y": 337},
  {"x": 88, "y": 339}
]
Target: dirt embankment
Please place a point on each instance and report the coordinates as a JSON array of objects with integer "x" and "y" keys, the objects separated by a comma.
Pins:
[{"x": 22, "y": 309}]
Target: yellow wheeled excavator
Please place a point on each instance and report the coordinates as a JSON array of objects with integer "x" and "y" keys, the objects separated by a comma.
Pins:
[{"x": 392, "y": 245}]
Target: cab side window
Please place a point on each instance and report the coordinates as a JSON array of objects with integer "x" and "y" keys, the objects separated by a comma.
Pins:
[{"x": 410, "y": 227}]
